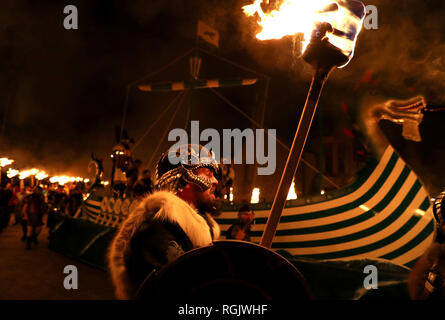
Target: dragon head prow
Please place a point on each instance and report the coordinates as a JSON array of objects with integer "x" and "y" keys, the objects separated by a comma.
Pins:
[{"x": 407, "y": 112}]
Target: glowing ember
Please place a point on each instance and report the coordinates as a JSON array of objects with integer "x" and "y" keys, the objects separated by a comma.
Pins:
[
  {"x": 231, "y": 195},
  {"x": 294, "y": 17},
  {"x": 292, "y": 195},
  {"x": 5, "y": 162},
  {"x": 255, "y": 195}
]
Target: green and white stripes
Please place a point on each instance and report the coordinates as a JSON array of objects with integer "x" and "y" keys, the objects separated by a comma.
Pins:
[{"x": 385, "y": 217}]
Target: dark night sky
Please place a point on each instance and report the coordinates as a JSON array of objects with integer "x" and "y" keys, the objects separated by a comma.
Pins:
[{"x": 62, "y": 91}]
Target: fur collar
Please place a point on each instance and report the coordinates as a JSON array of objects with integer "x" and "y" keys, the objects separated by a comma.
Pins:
[
  {"x": 159, "y": 205},
  {"x": 166, "y": 206}
]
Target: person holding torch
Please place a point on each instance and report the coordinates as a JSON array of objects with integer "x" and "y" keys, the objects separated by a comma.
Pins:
[{"x": 241, "y": 229}]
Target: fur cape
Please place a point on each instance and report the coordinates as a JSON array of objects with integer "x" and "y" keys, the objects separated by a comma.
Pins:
[{"x": 164, "y": 207}]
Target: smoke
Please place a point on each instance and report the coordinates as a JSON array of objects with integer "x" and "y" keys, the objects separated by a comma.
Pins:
[{"x": 406, "y": 50}]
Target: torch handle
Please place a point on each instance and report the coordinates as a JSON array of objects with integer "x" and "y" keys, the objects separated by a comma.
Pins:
[{"x": 310, "y": 107}]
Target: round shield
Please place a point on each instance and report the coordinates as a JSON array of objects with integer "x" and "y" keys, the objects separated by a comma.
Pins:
[
  {"x": 126, "y": 207},
  {"x": 104, "y": 204},
  {"x": 226, "y": 271},
  {"x": 117, "y": 206},
  {"x": 110, "y": 206}
]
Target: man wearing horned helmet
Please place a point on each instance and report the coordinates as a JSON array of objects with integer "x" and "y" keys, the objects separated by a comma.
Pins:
[{"x": 173, "y": 220}]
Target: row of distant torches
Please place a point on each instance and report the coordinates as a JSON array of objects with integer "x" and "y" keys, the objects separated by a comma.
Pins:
[
  {"x": 40, "y": 175},
  {"x": 37, "y": 174}
]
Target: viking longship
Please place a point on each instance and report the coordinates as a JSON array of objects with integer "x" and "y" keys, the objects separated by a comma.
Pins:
[{"x": 384, "y": 215}]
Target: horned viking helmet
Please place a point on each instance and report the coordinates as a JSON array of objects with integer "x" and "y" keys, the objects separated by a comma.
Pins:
[{"x": 176, "y": 167}]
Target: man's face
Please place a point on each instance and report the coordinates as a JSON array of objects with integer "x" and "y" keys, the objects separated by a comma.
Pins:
[
  {"x": 146, "y": 175},
  {"x": 246, "y": 216},
  {"x": 205, "y": 200}
]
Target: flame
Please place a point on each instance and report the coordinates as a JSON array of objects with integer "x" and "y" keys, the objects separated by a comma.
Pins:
[
  {"x": 37, "y": 173},
  {"x": 59, "y": 179},
  {"x": 27, "y": 173},
  {"x": 62, "y": 180},
  {"x": 11, "y": 173},
  {"x": 41, "y": 175},
  {"x": 5, "y": 162},
  {"x": 291, "y": 194},
  {"x": 255, "y": 195},
  {"x": 299, "y": 17}
]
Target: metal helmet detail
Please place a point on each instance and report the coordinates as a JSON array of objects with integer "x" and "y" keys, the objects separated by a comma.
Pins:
[{"x": 176, "y": 167}]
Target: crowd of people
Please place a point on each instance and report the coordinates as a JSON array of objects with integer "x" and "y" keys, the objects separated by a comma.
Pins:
[{"x": 27, "y": 206}]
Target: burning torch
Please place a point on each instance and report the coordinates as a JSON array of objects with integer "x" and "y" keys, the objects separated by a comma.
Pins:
[
  {"x": 331, "y": 29},
  {"x": 3, "y": 163}
]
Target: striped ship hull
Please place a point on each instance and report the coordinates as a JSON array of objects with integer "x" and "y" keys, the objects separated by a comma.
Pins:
[{"x": 385, "y": 214}]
